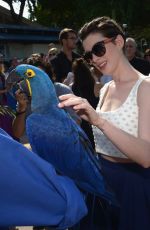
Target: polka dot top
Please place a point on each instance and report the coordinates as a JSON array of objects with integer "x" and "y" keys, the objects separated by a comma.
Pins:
[{"x": 125, "y": 117}]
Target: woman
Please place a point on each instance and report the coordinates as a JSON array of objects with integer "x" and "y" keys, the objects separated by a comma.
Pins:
[
  {"x": 83, "y": 86},
  {"x": 121, "y": 123}
]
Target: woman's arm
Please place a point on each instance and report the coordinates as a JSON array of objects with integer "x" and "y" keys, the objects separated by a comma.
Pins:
[{"x": 135, "y": 148}]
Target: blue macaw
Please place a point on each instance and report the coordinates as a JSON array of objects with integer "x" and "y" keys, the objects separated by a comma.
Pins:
[
  {"x": 32, "y": 193},
  {"x": 55, "y": 136}
]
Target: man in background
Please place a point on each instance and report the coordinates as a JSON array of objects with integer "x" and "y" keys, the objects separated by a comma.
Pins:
[
  {"x": 138, "y": 63},
  {"x": 62, "y": 63}
]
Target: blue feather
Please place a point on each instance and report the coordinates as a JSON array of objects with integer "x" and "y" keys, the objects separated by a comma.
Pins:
[
  {"x": 58, "y": 139},
  {"x": 32, "y": 193}
]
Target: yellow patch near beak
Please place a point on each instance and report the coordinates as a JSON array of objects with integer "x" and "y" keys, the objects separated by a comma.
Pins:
[{"x": 29, "y": 87}]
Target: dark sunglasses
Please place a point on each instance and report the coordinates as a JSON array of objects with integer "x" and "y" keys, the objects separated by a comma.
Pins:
[{"x": 98, "y": 49}]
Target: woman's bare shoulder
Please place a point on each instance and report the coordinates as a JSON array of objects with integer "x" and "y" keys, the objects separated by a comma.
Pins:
[
  {"x": 144, "y": 90},
  {"x": 145, "y": 83}
]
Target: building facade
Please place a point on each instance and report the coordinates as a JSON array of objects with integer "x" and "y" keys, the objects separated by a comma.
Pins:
[{"x": 22, "y": 40}]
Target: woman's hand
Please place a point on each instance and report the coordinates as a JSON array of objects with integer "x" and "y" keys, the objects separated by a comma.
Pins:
[{"x": 81, "y": 106}]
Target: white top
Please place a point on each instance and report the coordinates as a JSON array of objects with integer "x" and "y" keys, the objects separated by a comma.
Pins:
[{"x": 125, "y": 117}]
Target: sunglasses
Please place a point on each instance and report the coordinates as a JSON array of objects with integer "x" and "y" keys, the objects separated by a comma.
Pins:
[{"x": 98, "y": 49}]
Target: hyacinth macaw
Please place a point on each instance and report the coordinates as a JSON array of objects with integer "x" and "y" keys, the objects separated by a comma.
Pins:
[
  {"x": 55, "y": 136},
  {"x": 32, "y": 193}
]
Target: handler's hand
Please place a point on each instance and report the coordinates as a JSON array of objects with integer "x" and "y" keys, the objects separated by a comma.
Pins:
[{"x": 22, "y": 100}]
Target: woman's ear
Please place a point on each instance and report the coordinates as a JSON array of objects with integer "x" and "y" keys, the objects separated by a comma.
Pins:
[{"x": 119, "y": 41}]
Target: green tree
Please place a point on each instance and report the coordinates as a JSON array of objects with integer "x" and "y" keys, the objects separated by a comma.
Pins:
[
  {"x": 17, "y": 17},
  {"x": 74, "y": 13}
]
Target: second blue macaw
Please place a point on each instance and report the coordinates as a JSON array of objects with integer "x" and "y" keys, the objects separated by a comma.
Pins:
[
  {"x": 32, "y": 193},
  {"x": 55, "y": 137}
]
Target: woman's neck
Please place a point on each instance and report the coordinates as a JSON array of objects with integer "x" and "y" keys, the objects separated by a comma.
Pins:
[{"x": 125, "y": 72}]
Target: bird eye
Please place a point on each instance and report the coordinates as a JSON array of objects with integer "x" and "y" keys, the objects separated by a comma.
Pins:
[{"x": 30, "y": 73}]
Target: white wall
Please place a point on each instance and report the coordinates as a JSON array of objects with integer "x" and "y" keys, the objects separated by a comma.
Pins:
[
  {"x": 18, "y": 50},
  {"x": 21, "y": 50}
]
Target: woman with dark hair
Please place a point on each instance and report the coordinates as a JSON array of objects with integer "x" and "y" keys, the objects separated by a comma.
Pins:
[
  {"x": 84, "y": 82},
  {"x": 83, "y": 86},
  {"x": 121, "y": 123}
]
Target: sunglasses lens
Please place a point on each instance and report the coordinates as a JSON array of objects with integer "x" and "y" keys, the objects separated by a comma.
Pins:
[{"x": 99, "y": 49}]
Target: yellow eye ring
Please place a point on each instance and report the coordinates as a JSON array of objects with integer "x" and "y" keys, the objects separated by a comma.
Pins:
[{"x": 30, "y": 73}]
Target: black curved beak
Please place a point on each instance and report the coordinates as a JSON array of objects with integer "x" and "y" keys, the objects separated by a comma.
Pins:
[
  {"x": 13, "y": 78},
  {"x": 18, "y": 82}
]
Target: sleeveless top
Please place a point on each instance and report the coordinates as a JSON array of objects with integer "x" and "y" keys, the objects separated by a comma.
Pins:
[{"x": 125, "y": 117}]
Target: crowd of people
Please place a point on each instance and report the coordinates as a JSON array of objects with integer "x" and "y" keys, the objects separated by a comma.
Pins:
[{"x": 106, "y": 91}]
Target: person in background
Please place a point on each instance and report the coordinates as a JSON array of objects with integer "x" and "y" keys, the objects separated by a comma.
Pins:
[
  {"x": 100, "y": 80},
  {"x": 121, "y": 123},
  {"x": 7, "y": 115},
  {"x": 138, "y": 63},
  {"x": 83, "y": 86},
  {"x": 62, "y": 63},
  {"x": 37, "y": 56},
  {"x": 51, "y": 45},
  {"x": 3, "y": 89},
  {"x": 6, "y": 119},
  {"x": 13, "y": 63},
  {"x": 11, "y": 100},
  {"x": 147, "y": 55},
  {"x": 51, "y": 54},
  {"x": 69, "y": 79}
]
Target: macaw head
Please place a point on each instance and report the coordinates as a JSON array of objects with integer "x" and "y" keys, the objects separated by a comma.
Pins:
[{"x": 35, "y": 83}]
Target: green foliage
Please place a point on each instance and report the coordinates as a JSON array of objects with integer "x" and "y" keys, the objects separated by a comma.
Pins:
[
  {"x": 17, "y": 18},
  {"x": 74, "y": 13}
]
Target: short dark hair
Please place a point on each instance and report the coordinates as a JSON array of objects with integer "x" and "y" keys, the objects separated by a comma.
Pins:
[
  {"x": 64, "y": 33},
  {"x": 104, "y": 25}
]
